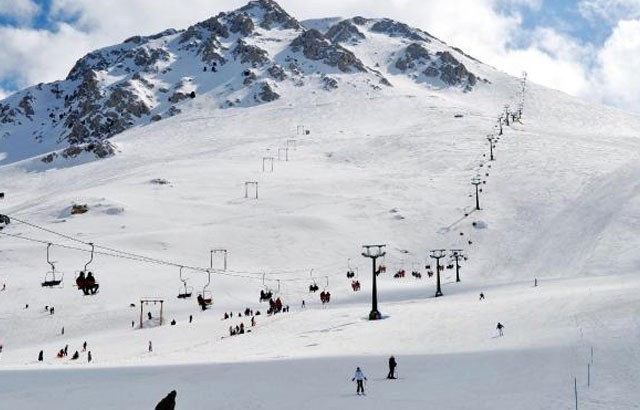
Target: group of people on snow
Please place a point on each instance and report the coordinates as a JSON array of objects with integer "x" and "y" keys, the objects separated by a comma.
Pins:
[
  {"x": 62, "y": 353},
  {"x": 238, "y": 330}
]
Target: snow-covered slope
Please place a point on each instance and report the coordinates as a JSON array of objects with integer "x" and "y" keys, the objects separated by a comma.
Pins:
[{"x": 391, "y": 165}]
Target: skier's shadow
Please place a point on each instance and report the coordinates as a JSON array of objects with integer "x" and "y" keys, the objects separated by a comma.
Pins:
[{"x": 385, "y": 379}]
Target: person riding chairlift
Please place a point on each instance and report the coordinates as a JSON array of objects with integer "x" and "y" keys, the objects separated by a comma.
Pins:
[{"x": 81, "y": 281}]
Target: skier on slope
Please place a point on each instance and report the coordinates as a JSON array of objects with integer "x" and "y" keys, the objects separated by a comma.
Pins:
[
  {"x": 392, "y": 368},
  {"x": 359, "y": 377},
  {"x": 500, "y": 326}
]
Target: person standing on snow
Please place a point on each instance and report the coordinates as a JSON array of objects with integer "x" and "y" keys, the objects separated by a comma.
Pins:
[
  {"x": 359, "y": 377},
  {"x": 500, "y": 327},
  {"x": 392, "y": 368}
]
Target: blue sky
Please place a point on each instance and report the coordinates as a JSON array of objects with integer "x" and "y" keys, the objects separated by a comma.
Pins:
[{"x": 561, "y": 43}]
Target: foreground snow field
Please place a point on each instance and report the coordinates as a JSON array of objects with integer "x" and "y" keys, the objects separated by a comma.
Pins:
[
  {"x": 560, "y": 204},
  {"x": 448, "y": 356}
]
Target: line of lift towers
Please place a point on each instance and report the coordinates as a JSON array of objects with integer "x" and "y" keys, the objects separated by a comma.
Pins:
[{"x": 373, "y": 252}]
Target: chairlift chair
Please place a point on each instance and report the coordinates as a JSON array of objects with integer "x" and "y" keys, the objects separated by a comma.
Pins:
[
  {"x": 350, "y": 272},
  {"x": 185, "y": 291},
  {"x": 355, "y": 285},
  {"x": 205, "y": 299},
  {"x": 266, "y": 293},
  {"x": 325, "y": 295},
  {"x": 87, "y": 284},
  {"x": 313, "y": 287},
  {"x": 50, "y": 279},
  {"x": 415, "y": 272}
]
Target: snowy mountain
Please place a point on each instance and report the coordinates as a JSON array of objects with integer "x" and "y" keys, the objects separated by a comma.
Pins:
[
  {"x": 241, "y": 58},
  {"x": 553, "y": 247}
]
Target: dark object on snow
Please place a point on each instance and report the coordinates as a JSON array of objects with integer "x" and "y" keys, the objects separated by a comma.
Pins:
[
  {"x": 458, "y": 116},
  {"x": 168, "y": 403},
  {"x": 79, "y": 209},
  {"x": 75, "y": 356},
  {"x": 40, "y": 356},
  {"x": 173, "y": 322},
  {"x": 392, "y": 368}
]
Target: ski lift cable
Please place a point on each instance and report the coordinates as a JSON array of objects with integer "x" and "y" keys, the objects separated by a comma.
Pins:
[
  {"x": 138, "y": 256},
  {"x": 116, "y": 253},
  {"x": 129, "y": 255},
  {"x": 144, "y": 259}
]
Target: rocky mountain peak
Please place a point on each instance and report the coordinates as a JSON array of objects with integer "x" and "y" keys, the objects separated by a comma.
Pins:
[
  {"x": 268, "y": 14},
  {"x": 243, "y": 57}
]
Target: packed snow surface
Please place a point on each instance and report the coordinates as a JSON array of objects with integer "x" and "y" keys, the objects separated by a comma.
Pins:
[{"x": 560, "y": 205}]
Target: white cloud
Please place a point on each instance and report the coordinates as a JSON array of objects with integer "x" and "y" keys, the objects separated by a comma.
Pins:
[
  {"x": 33, "y": 56},
  {"x": 118, "y": 19},
  {"x": 22, "y": 11},
  {"x": 619, "y": 64},
  {"x": 609, "y": 10}
]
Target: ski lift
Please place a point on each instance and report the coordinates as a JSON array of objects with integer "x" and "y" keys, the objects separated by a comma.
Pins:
[
  {"x": 313, "y": 287},
  {"x": 50, "y": 279},
  {"x": 355, "y": 285},
  {"x": 185, "y": 291},
  {"x": 325, "y": 295},
  {"x": 400, "y": 272},
  {"x": 205, "y": 299},
  {"x": 350, "y": 272},
  {"x": 415, "y": 272},
  {"x": 266, "y": 293},
  {"x": 85, "y": 281}
]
